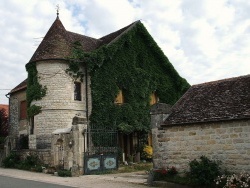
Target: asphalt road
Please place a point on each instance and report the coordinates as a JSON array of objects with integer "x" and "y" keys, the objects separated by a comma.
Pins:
[
  {"x": 8, "y": 182},
  {"x": 12, "y": 178}
]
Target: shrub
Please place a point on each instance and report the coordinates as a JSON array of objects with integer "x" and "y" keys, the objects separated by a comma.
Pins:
[
  {"x": 2, "y": 139},
  {"x": 12, "y": 161},
  {"x": 39, "y": 168},
  {"x": 236, "y": 181},
  {"x": 64, "y": 173},
  {"x": 204, "y": 171},
  {"x": 32, "y": 161}
]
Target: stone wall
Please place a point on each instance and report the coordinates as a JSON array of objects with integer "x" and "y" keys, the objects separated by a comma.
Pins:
[
  {"x": 227, "y": 141},
  {"x": 68, "y": 146},
  {"x": 43, "y": 154},
  {"x": 159, "y": 112},
  {"x": 17, "y": 126}
]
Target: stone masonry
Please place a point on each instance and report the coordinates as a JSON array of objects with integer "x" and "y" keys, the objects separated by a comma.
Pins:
[
  {"x": 58, "y": 106},
  {"x": 18, "y": 126},
  {"x": 226, "y": 141}
]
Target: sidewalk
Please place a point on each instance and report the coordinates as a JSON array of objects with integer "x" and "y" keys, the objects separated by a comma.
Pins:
[{"x": 122, "y": 180}]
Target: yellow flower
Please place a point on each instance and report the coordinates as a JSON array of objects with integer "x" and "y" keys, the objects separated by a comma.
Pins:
[{"x": 149, "y": 151}]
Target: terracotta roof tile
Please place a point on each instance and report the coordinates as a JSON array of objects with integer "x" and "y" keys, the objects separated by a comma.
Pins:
[
  {"x": 87, "y": 43},
  {"x": 226, "y": 99},
  {"x": 58, "y": 43}
]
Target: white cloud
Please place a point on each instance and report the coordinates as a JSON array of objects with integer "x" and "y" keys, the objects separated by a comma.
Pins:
[{"x": 204, "y": 40}]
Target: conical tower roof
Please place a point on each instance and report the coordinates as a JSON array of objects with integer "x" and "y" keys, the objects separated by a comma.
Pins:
[
  {"x": 54, "y": 44},
  {"x": 58, "y": 43}
]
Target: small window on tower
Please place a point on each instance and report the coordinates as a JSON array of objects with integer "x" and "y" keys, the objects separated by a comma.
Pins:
[
  {"x": 119, "y": 98},
  {"x": 77, "y": 91}
]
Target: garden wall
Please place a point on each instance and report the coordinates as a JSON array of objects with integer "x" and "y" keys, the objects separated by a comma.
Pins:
[
  {"x": 228, "y": 141},
  {"x": 43, "y": 154}
]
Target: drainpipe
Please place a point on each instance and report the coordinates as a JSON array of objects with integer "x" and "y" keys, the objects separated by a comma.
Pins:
[
  {"x": 86, "y": 91},
  {"x": 6, "y": 149},
  {"x": 87, "y": 107},
  {"x": 8, "y": 96}
]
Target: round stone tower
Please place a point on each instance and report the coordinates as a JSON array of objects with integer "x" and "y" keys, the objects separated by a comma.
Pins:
[{"x": 65, "y": 97}]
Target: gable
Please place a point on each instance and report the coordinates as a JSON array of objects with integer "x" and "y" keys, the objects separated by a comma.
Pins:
[
  {"x": 221, "y": 100},
  {"x": 135, "y": 52},
  {"x": 133, "y": 62}
]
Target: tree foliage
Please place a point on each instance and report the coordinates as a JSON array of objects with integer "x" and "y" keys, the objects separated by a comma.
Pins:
[
  {"x": 3, "y": 123},
  {"x": 35, "y": 91}
]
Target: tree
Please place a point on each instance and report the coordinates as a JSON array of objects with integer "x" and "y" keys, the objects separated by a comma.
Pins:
[{"x": 3, "y": 123}]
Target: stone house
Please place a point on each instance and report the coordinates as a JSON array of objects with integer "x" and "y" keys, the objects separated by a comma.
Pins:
[
  {"x": 211, "y": 119},
  {"x": 52, "y": 110}
]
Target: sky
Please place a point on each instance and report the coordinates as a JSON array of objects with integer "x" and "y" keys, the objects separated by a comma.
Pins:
[{"x": 205, "y": 40}]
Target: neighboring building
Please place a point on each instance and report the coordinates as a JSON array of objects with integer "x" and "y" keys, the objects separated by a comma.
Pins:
[
  {"x": 211, "y": 119},
  {"x": 107, "y": 91}
]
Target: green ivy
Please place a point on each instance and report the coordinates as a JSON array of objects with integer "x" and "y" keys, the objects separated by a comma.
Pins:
[
  {"x": 135, "y": 64},
  {"x": 33, "y": 110},
  {"x": 35, "y": 91}
]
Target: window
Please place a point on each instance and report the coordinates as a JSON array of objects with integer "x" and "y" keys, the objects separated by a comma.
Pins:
[
  {"x": 153, "y": 98},
  {"x": 77, "y": 91},
  {"x": 23, "y": 110},
  {"x": 119, "y": 98}
]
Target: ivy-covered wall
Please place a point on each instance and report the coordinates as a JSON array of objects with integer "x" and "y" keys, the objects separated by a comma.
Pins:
[
  {"x": 135, "y": 64},
  {"x": 35, "y": 91}
]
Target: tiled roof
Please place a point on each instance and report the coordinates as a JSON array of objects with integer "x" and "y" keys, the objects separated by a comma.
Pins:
[
  {"x": 87, "y": 43},
  {"x": 21, "y": 86},
  {"x": 113, "y": 36},
  {"x": 227, "y": 99},
  {"x": 58, "y": 43}
]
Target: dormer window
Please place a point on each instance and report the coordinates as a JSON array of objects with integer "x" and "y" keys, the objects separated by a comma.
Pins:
[
  {"x": 119, "y": 98},
  {"x": 153, "y": 98},
  {"x": 77, "y": 91}
]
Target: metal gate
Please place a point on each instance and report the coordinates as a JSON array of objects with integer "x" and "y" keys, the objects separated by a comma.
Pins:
[{"x": 102, "y": 151}]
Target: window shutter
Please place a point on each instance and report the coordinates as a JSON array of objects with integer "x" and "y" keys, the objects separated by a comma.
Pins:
[{"x": 23, "y": 110}]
